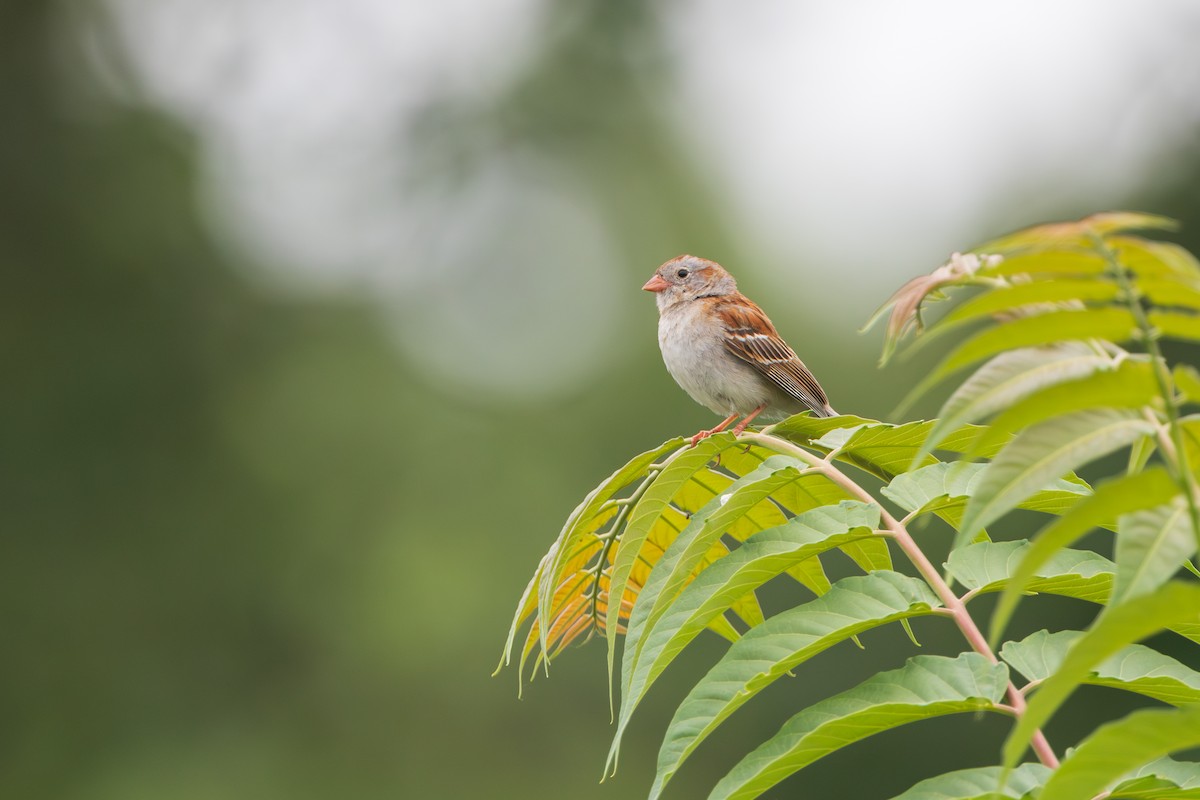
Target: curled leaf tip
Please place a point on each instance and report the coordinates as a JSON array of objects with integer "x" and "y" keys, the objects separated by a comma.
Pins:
[
  {"x": 905, "y": 304},
  {"x": 1107, "y": 222}
]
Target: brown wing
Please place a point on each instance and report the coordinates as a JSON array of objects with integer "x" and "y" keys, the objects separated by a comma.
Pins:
[{"x": 750, "y": 336}]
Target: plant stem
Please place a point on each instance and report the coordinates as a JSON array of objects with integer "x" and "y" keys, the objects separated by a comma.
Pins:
[
  {"x": 914, "y": 553},
  {"x": 1149, "y": 338},
  {"x": 614, "y": 533}
]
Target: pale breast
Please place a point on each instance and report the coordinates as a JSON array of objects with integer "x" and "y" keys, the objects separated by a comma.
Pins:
[{"x": 694, "y": 352}]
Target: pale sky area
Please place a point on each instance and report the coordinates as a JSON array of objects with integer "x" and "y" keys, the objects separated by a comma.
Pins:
[{"x": 869, "y": 136}]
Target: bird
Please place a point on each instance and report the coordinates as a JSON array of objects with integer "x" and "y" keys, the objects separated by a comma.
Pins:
[{"x": 723, "y": 350}]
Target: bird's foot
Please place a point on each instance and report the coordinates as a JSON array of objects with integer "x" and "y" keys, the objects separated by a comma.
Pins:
[
  {"x": 705, "y": 434},
  {"x": 741, "y": 426}
]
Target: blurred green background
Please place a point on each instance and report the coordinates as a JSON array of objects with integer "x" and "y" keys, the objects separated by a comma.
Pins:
[{"x": 318, "y": 319}]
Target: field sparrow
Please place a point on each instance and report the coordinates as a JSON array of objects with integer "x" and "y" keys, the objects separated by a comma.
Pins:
[{"x": 724, "y": 352}]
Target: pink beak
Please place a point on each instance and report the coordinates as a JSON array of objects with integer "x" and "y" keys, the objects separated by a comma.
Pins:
[{"x": 656, "y": 284}]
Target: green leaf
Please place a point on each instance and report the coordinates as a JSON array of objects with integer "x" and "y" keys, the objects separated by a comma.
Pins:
[
  {"x": 1045, "y": 263},
  {"x": 1022, "y": 299},
  {"x": 804, "y": 428},
  {"x": 676, "y": 565},
  {"x": 925, "y": 687},
  {"x": 1152, "y": 788},
  {"x": 1152, "y": 545},
  {"x": 681, "y": 557},
  {"x": 870, "y": 554},
  {"x": 1130, "y": 384},
  {"x": 1139, "y": 454},
  {"x": 1013, "y": 297},
  {"x": 1161, "y": 779},
  {"x": 581, "y": 526},
  {"x": 697, "y": 492},
  {"x": 643, "y": 516},
  {"x": 836, "y": 439},
  {"x": 1118, "y": 747},
  {"x": 885, "y": 450},
  {"x": 979, "y": 783},
  {"x": 1076, "y": 234},
  {"x": 987, "y": 567},
  {"x": 1058, "y": 498},
  {"x": 933, "y": 487},
  {"x": 1109, "y": 324},
  {"x": 803, "y": 495},
  {"x": 1134, "y": 668},
  {"x": 1148, "y": 258},
  {"x": 1109, "y": 500},
  {"x": 1187, "y": 380},
  {"x": 1172, "y": 604},
  {"x": 760, "y": 558},
  {"x": 943, "y": 486},
  {"x": 770, "y": 651},
  {"x": 1172, "y": 292},
  {"x": 880, "y": 448},
  {"x": 1189, "y": 426},
  {"x": 1108, "y": 223},
  {"x": 1006, "y": 379},
  {"x": 1042, "y": 453},
  {"x": 525, "y": 607},
  {"x": 963, "y": 441},
  {"x": 1176, "y": 325}
]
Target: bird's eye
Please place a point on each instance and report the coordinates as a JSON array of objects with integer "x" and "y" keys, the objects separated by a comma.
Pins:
[{"x": 683, "y": 273}]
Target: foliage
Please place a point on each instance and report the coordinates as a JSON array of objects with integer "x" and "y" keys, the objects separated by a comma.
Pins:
[{"x": 1061, "y": 330}]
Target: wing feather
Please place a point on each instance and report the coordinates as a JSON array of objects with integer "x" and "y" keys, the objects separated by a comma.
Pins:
[{"x": 750, "y": 336}]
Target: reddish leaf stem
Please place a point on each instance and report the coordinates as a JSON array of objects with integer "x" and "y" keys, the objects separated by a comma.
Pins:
[{"x": 910, "y": 548}]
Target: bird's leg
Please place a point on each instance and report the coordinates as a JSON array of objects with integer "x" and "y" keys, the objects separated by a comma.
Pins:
[
  {"x": 741, "y": 426},
  {"x": 705, "y": 434}
]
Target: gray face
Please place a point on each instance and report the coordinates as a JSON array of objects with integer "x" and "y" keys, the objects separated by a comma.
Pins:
[{"x": 689, "y": 277}]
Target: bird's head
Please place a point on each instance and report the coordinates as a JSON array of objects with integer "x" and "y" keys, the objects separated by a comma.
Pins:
[{"x": 686, "y": 278}]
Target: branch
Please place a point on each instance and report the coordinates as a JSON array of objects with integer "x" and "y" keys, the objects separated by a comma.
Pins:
[
  {"x": 910, "y": 548},
  {"x": 1176, "y": 456}
]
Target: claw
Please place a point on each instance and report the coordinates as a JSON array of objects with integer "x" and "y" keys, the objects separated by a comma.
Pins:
[
  {"x": 737, "y": 429},
  {"x": 707, "y": 433},
  {"x": 741, "y": 426}
]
